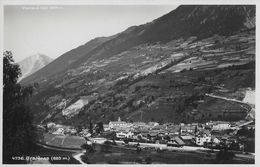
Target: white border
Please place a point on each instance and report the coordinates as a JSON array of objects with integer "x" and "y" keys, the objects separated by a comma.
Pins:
[{"x": 136, "y": 2}]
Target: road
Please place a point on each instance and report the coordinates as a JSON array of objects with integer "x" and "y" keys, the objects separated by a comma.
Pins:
[
  {"x": 224, "y": 98},
  {"x": 77, "y": 157},
  {"x": 164, "y": 146},
  {"x": 234, "y": 100},
  {"x": 59, "y": 148}
]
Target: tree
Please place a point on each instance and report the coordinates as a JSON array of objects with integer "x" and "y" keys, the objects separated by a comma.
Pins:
[
  {"x": 19, "y": 133},
  {"x": 224, "y": 156},
  {"x": 100, "y": 127},
  {"x": 88, "y": 148},
  {"x": 79, "y": 128},
  {"x": 85, "y": 159},
  {"x": 90, "y": 127},
  {"x": 107, "y": 145}
]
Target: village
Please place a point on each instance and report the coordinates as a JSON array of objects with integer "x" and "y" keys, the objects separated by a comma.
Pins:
[{"x": 213, "y": 134}]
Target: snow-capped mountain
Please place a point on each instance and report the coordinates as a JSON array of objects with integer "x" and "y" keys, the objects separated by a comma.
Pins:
[{"x": 32, "y": 64}]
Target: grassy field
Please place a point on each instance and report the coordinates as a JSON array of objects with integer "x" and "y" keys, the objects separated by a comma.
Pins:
[
  {"x": 63, "y": 141},
  {"x": 73, "y": 142}
]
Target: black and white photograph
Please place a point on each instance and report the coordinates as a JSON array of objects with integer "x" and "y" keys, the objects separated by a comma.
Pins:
[{"x": 135, "y": 82}]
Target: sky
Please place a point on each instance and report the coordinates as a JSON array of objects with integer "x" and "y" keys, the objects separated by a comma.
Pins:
[{"x": 56, "y": 29}]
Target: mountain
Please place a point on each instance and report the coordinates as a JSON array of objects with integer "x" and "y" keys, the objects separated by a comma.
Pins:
[
  {"x": 186, "y": 21},
  {"x": 63, "y": 62},
  {"x": 186, "y": 66},
  {"x": 32, "y": 64}
]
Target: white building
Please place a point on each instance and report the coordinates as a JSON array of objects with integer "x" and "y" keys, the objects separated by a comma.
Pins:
[
  {"x": 50, "y": 125},
  {"x": 204, "y": 137},
  {"x": 117, "y": 124},
  {"x": 221, "y": 126},
  {"x": 59, "y": 131},
  {"x": 123, "y": 135},
  {"x": 98, "y": 140}
]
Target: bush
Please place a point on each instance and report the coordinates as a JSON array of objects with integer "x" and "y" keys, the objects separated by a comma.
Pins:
[
  {"x": 88, "y": 148},
  {"x": 223, "y": 156},
  {"x": 85, "y": 159}
]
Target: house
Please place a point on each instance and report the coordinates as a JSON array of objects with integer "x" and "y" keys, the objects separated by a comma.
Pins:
[
  {"x": 153, "y": 136},
  {"x": 51, "y": 125},
  {"x": 250, "y": 126},
  {"x": 98, "y": 140},
  {"x": 176, "y": 140},
  {"x": 188, "y": 140},
  {"x": 215, "y": 140},
  {"x": 182, "y": 124},
  {"x": 59, "y": 131},
  {"x": 124, "y": 134},
  {"x": 145, "y": 134},
  {"x": 117, "y": 124},
  {"x": 187, "y": 128},
  {"x": 153, "y": 123},
  {"x": 221, "y": 126},
  {"x": 173, "y": 130},
  {"x": 137, "y": 136},
  {"x": 203, "y": 137},
  {"x": 139, "y": 124},
  {"x": 72, "y": 131},
  {"x": 106, "y": 127},
  {"x": 194, "y": 124},
  {"x": 158, "y": 127}
]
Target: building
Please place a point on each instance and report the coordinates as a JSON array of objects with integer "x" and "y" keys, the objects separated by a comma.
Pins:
[
  {"x": 158, "y": 127},
  {"x": 51, "y": 125},
  {"x": 173, "y": 130},
  {"x": 98, "y": 140},
  {"x": 203, "y": 137},
  {"x": 140, "y": 124},
  {"x": 215, "y": 140},
  {"x": 124, "y": 134},
  {"x": 175, "y": 140},
  {"x": 153, "y": 123},
  {"x": 59, "y": 131},
  {"x": 221, "y": 126},
  {"x": 117, "y": 124},
  {"x": 188, "y": 140},
  {"x": 106, "y": 127},
  {"x": 187, "y": 128}
]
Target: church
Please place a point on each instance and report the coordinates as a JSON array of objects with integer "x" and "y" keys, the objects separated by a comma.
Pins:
[{"x": 117, "y": 124}]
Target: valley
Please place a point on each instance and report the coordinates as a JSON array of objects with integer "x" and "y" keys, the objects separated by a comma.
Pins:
[{"x": 163, "y": 82}]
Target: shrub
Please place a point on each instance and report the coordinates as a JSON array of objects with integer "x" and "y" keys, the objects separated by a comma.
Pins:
[
  {"x": 85, "y": 159},
  {"x": 223, "y": 156}
]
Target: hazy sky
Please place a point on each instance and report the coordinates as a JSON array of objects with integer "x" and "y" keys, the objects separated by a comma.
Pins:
[{"x": 29, "y": 30}]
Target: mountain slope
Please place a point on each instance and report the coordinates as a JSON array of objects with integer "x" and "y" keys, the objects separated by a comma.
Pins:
[
  {"x": 32, "y": 64},
  {"x": 201, "y": 21},
  {"x": 186, "y": 21},
  {"x": 142, "y": 74},
  {"x": 63, "y": 62}
]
